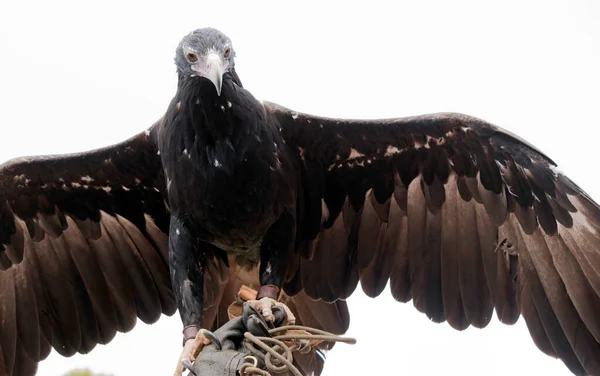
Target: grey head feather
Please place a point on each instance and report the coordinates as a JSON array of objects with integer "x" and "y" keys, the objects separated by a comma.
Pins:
[{"x": 201, "y": 42}]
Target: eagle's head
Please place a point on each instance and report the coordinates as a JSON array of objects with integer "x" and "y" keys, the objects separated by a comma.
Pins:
[{"x": 205, "y": 53}]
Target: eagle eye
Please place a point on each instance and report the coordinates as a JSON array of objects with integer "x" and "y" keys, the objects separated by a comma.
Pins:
[
  {"x": 227, "y": 53},
  {"x": 191, "y": 57}
]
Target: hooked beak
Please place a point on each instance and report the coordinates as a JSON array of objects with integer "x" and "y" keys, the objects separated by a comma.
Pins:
[{"x": 211, "y": 67}]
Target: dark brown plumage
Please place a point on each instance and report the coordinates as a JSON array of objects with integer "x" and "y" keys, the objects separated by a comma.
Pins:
[
  {"x": 462, "y": 216},
  {"x": 458, "y": 215}
]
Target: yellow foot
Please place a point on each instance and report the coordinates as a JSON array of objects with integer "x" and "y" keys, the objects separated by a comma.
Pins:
[
  {"x": 265, "y": 307},
  {"x": 191, "y": 349}
]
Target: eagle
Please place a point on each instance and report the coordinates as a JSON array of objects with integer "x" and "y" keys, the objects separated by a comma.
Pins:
[{"x": 456, "y": 214}]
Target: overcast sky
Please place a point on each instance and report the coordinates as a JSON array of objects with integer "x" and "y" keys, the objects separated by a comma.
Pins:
[{"x": 75, "y": 77}]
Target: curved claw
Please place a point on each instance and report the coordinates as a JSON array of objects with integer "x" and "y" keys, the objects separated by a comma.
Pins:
[
  {"x": 190, "y": 351},
  {"x": 187, "y": 364}
]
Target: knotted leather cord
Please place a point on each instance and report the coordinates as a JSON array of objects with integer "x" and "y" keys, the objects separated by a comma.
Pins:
[
  {"x": 279, "y": 355},
  {"x": 275, "y": 350}
]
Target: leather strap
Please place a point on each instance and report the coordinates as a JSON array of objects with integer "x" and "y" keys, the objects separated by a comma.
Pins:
[
  {"x": 190, "y": 332},
  {"x": 268, "y": 291}
]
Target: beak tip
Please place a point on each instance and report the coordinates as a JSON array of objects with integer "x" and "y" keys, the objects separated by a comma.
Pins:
[{"x": 217, "y": 80}]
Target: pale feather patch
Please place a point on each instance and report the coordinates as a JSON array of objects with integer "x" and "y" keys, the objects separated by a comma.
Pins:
[
  {"x": 355, "y": 154},
  {"x": 301, "y": 151},
  {"x": 324, "y": 211},
  {"x": 21, "y": 180},
  {"x": 584, "y": 221},
  {"x": 392, "y": 150}
]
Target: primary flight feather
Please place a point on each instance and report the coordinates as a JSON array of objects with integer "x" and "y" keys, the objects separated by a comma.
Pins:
[{"x": 457, "y": 214}]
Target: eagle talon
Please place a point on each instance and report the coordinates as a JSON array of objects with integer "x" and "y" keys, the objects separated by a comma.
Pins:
[
  {"x": 187, "y": 364},
  {"x": 265, "y": 307},
  {"x": 191, "y": 349}
]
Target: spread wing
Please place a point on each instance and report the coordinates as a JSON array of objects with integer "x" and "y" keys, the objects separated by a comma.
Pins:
[
  {"x": 83, "y": 250},
  {"x": 458, "y": 215}
]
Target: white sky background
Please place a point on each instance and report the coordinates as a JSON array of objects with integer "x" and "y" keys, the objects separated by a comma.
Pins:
[{"x": 75, "y": 77}]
